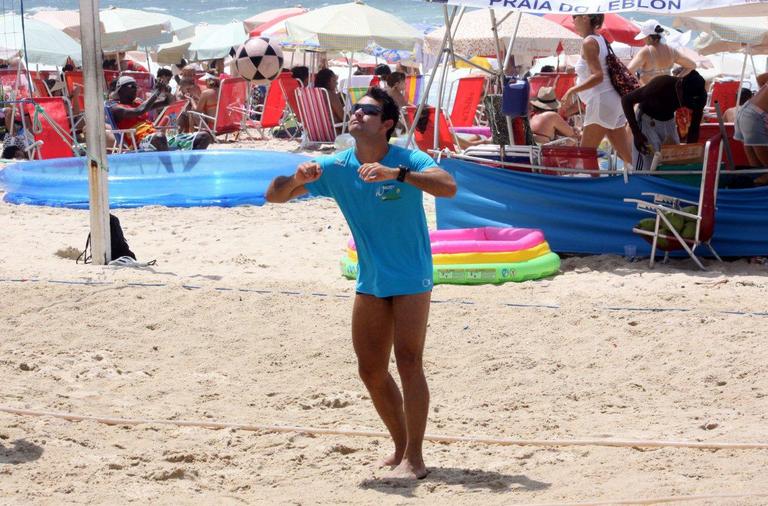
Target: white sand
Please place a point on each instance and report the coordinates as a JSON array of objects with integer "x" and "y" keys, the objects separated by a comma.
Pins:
[{"x": 577, "y": 371}]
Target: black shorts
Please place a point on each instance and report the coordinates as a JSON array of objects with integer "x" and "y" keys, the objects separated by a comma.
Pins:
[{"x": 388, "y": 299}]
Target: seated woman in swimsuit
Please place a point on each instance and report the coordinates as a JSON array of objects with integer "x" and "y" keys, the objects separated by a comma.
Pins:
[
  {"x": 656, "y": 58},
  {"x": 546, "y": 124}
]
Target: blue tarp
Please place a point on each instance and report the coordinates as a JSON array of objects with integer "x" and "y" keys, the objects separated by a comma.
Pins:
[{"x": 588, "y": 215}]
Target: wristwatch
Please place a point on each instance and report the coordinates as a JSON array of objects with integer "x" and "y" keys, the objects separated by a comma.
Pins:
[{"x": 403, "y": 172}]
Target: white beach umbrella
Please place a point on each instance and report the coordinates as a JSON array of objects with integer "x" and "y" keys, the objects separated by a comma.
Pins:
[
  {"x": 216, "y": 41},
  {"x": 45, "y": 44},
  {"x": 352, "y": 27},
  {"x": 126, "y": 29},
  {"x": 535, "y": 36},
  {"x": 68, "y": 21},
  {"x": 728, "y": 34}
]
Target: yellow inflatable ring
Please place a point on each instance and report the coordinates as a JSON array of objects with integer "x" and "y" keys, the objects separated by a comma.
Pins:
[{"x": 495, "y": 257}]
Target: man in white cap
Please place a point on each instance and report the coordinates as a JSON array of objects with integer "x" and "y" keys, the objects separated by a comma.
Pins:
[
  {"x": 656, "y": 58},
  {"x": 131, "y": 113}
]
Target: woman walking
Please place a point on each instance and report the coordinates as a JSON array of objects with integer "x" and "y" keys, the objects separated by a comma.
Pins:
[{"x": 604, "y": 116}]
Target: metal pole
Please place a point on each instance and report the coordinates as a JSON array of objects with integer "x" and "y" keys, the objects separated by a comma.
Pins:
[
  {"x": 425, "y": 93},
  {"x": 96, "y": 155}
]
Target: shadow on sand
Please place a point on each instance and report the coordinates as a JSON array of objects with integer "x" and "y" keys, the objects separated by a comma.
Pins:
[
  {"x": 470, "y": 479},
  {"x": 19, "y": 452}
]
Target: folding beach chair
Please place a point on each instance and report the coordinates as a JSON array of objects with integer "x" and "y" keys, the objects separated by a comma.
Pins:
[
  {"x": 40, "y": 88},
  {"x": 51, "y": 127},
  {"x": 272, "y": 111},
  {"x": 125, "y": 139},
  {"x": 145, "y": 82},
  {"x": 469, "y": 94},
  {"x": 725, "y": 93},
  {"x": 414, "y": 86},
  {"x": 316, "y": 116},
  {"x": 666, "y": 208},
  {"x": 15, "y": 81},
  {"x": 538, "y": 81},
  {"x": 168, "y": 118},
  {"x": 424, "y": 133},
  {"x": 231, "y": 109},
  {"x": 289, "y": 87}
]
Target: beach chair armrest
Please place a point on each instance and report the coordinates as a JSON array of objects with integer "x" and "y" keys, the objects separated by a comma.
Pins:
[
  {"x": 201, "y": 115},
  {"x": 660, "y": 198},
  {"x": 652, "y": 207}
]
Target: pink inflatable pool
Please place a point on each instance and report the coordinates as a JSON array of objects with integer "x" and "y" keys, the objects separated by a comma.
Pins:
[{"x": 481, "y": 240}]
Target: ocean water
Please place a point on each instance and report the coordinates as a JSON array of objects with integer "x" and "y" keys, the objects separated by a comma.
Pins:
[{"x": 223, "y": 11}]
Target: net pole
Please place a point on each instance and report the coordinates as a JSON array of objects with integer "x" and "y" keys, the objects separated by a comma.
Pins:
[{"x": 96, "y": 154}]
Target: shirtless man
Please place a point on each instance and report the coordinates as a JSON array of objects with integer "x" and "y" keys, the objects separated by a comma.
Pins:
[{"x": 378, "y": 188}]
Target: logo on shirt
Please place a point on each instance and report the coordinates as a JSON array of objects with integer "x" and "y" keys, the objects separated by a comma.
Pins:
[{"x": 388, "y": 192}]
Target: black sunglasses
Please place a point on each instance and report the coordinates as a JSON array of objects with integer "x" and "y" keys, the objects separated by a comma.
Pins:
[{"x": 368, "y": 109}]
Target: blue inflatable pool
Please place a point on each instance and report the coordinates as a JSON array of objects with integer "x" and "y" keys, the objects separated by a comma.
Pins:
[{"x": 174, "y": 179}]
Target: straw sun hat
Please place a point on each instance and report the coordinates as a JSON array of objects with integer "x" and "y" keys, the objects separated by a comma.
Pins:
[{"x": 546, "y": 99}]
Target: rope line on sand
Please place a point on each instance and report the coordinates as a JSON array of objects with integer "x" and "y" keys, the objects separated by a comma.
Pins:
[
  {"x": 657, "y": 500},
  {"x": 439, "y": 438},
  {"x": 463, "y": 302}
]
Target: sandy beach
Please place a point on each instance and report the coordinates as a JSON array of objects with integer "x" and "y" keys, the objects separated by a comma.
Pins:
[{"x": 245, "y": 319}]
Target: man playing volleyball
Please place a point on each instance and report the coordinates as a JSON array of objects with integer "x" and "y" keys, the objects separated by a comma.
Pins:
[{"x": 379, "y": 188}]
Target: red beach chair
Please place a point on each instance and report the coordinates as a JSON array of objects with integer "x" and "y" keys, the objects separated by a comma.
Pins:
[
  {"x": 289, "y": 87},
  {"x": 169, "y": 116},
  {"x": 424, "y": 133},
  {"x": 665, "y": 206},
  {"x": 725, "y": 93},
  {"x": 230, "y": 109},
  {"x": 469, "y": 94},
  {"x": 273, "y": 108},
  {"x": 316, "y": 116},
  {"x": 51, "y": 128},
  {"x": 570, "y": 157}
]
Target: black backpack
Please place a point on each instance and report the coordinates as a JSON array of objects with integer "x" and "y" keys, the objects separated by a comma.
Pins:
[{"x": 117, "y": 239}]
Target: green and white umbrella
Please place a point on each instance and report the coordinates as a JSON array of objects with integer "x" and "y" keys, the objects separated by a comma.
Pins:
[
  {"x": 216, "y": 41},
  {"x": 351, "y": 27},
  {"x": 45, "y": 44}
]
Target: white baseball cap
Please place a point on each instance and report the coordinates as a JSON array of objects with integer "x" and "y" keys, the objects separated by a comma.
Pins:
[
  {"x": 123, "y": 80},
  {"x": 648, "y": 28}
]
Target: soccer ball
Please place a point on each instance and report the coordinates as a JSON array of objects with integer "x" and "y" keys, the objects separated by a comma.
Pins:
[{"x": 259, "y": 60}]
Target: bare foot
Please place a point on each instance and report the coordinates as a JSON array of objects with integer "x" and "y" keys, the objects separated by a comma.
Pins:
[
  {"x": 390, "y": 461},
  {"x": 407, "y": 470}
]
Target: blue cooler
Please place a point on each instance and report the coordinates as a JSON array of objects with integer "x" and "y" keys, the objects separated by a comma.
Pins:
[{"x": 515, "y": 97}]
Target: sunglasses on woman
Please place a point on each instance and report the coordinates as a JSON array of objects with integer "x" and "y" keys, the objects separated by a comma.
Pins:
[{"x": 368, "y": 109}]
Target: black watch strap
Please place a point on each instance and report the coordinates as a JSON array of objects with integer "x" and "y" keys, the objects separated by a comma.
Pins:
[{"x": 403, "y": 172}]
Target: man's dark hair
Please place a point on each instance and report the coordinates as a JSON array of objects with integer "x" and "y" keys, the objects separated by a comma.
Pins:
[
  {"x": 301, "y": 73},
  {"x": 394, "y": 78},
  {"x": 110, "y": 64},
  {"x": 164, "y": 73},
  {"x": 323, "y": 78},
  {"x": 746, "y": 94},
  {"x": 389, "y": 109},
  {"x": 382, "y": 70}
]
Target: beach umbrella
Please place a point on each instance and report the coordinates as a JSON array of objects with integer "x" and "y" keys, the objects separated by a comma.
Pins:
[
  {"x": 728, "y": 34},
  {"x": 615, "y": 28},
  {"x": 535, "y": 36},
  {"x": 45, "y": 44},
  {"x": 216, "y": 41},
  {"x": 271, "y": 16},
  {"x": 126, "y": 29},
  {"x": 352, "y": 27},
  {"x": 68, "y": 21}
]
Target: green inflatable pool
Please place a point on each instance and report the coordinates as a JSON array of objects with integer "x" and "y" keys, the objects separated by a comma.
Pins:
[{"x": 479, "y": 274}]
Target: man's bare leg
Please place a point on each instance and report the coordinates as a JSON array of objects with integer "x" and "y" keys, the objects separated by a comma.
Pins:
[
  {"x": 372, "y": 337},
  {"x": 411, "y": 313}
]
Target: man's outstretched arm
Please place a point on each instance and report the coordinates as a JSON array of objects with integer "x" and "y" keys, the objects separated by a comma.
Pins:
[
  {"x": 284, "y": 188},
  {"x": 433, "y": 180}
]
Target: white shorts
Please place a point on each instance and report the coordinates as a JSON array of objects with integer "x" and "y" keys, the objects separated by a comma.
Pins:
[{"x": 605, "y": 110}]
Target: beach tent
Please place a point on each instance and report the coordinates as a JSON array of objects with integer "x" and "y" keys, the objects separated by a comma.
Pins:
[
  {"x": 352, "y": 27},
  {"x": 533, "y": 36},
  {"x": 45, "y": 43},
  {"x": 216, "y": 41},
  {"x": 271, "y": 17}
]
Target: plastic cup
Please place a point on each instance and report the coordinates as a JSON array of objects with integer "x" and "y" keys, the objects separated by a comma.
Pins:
[{"x": 630, "y": 252}]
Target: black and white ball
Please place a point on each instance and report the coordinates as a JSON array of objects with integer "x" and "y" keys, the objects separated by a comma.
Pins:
[{"x": 259, "y": 60}]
